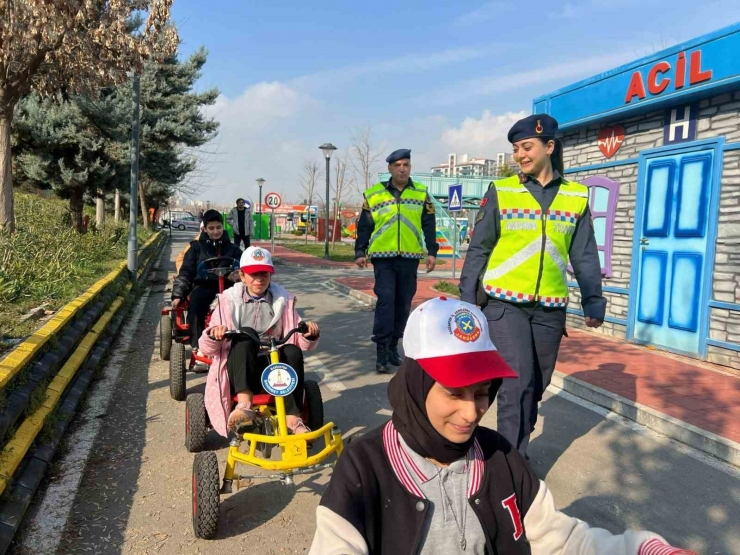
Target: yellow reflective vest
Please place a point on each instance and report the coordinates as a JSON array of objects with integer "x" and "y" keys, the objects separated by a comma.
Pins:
[
  {"x": 529, "y": 262},
  {"x": 397, "y": 222}
]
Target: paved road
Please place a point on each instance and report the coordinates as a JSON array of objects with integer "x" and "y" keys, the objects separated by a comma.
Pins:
[{"x": 134, "y": 493}]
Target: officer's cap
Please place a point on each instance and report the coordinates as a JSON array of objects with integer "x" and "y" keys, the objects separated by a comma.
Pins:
[
  {"x": 537, "y": 125},
  {"x": 400, "y": 154}
]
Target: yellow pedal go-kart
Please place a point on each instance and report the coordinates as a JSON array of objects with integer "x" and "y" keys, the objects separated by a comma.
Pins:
[{"x": 269, "y": 429}]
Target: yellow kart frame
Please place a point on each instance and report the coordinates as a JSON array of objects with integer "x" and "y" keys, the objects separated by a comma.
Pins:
[{"x": 294, "y": 448}]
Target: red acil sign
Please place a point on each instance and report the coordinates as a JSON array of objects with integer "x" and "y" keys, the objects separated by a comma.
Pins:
[{"x": 659, "y": 79}]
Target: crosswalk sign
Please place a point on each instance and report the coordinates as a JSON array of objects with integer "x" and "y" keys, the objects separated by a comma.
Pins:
[{"x": 454, "y": 198}]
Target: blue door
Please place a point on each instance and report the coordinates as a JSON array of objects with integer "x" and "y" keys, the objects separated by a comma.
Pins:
[{"x": 672, "y": 250}]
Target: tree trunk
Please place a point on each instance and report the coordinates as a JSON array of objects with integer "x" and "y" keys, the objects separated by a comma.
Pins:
[
  {"x": 142, "y": 203},
  {"x": 100, "y": 209},
  {"x": 7, "y": 214},
  {"x": 117, "y": 206},
  {"x": 75, "y": 209}
]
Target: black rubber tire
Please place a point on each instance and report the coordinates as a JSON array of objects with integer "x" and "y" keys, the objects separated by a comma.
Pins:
[
  {"x": 313, "y": 405},
  {"x": 165, "y": 336},
  {"x": 177, "y": 372},
  {"x": 196, "y": 428},
  {"x": 205, "y": 495},
  {"x": 181, "y": 227}
]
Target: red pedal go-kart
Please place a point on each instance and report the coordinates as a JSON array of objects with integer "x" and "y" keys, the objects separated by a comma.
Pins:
[{"x": 174, "y": 331}]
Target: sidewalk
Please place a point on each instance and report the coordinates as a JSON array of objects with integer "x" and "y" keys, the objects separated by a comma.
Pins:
[{"x": 685, "y": 400}]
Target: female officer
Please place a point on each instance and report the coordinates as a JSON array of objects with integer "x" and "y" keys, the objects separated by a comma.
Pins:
[{"x": 528, "y": 227}]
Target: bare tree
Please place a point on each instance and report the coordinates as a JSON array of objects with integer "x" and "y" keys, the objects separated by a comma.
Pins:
[
  {"x": 364, "y": 158},
  {"x": 309, "y": 179},
  {"x": 341, "y": 184},
  {"x": 70, "y": 46}
]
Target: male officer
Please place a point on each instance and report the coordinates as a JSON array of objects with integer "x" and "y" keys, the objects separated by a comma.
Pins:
[
  {"x": 394, "y": 216},
  {"x": 528, "y": 227}
]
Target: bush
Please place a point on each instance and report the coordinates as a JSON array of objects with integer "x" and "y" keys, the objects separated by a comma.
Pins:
[{"x": 47, "y": 261}]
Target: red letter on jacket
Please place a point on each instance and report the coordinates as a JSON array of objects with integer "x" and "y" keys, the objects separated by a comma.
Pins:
[{"x": 510, "y": 504}]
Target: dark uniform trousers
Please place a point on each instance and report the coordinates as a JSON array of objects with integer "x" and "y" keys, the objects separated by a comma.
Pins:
[
  {"x": 395, "y": 287},
  {"x": 528, "y": 338}
]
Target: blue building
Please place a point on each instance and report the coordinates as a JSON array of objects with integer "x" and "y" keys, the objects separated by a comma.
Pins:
[{"x": 658, "y": 143}]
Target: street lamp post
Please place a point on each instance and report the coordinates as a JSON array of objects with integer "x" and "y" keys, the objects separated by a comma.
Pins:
[
  {"x": 328, "y": 148},
  {"x": 260, "y": 182}
]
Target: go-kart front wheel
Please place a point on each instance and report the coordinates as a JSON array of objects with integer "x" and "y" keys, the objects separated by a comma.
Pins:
[
  {"x": 165, "y": 336},
  {"x": 196, "y": 426},
  {"x": 313, "y": 405},
  {"x": 205, "y": 495},
  {"x": 177, "y": 372}
]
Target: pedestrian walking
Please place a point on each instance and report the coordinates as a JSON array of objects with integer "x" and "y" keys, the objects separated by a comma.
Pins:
[
  {"x": 528, "y": 227},
  {"x": 241, "y": 221},
  {"x": 396, "y": 222}
]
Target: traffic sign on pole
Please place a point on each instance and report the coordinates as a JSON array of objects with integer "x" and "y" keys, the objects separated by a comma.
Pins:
[
  {"x": 273, "y": 201},
  {"x": 454, "y": 198}
]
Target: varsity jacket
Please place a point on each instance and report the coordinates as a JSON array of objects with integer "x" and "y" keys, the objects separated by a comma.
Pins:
[{"x": 373, "y": 506}]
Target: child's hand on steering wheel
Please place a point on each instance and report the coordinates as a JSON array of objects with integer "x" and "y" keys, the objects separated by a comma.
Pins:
[
  {"x": 217, "y": 332},
  {"x": 313, "y": 330},
  {"x": 234, "y": 277}
]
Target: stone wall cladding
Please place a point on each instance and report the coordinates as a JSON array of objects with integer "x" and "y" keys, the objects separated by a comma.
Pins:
[{"x": 718, "y": 116}]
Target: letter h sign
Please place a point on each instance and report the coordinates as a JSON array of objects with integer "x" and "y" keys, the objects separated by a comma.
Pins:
[{"x": 680, "y": 124}]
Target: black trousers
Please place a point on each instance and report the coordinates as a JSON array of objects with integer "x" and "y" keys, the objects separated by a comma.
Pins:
[
  {"x": 244, "y": 366},
  {"x": 528, "y": 337},
  {"x": 198, "y": 305},
  {"x": 395, "y": 287},
  {"x": 239, "y": 238}
]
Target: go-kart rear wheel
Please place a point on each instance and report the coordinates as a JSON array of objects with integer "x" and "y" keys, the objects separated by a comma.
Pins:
[
  {"x": 165, "y": 336},
  {"x": 313, "y": 406},
  {"x": 196, "y": 427},
  {"x": 177, "y": 372},
  {"x": 205, "y": 495}
]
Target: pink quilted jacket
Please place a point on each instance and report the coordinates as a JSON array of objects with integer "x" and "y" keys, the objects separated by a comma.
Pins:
[{"x": 218, "y": 394}]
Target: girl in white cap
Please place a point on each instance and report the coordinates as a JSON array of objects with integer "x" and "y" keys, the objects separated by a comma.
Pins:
[
  {"x": 268, "y": 308},
  {"x": 431, "y": 481}
]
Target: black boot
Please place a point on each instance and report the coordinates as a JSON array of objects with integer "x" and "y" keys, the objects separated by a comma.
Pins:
[
  {"x": 393, "y": 357},
  {"x": 381, "y": 365}
]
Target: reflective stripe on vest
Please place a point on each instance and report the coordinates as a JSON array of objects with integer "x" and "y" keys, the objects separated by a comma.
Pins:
[
  {"x": 397, "y": 222},
  {"x": 530, "y": 260}
]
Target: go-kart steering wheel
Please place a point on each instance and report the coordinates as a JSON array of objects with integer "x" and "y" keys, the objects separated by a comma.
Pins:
[{"x": 218, "y": 265}]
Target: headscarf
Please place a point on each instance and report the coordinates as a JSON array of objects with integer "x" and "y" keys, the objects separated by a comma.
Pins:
[{"x": 407, "y": 393}]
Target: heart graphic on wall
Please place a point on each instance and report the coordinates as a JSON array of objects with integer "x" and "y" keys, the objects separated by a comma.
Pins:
[{"x": 610, "y": 139}]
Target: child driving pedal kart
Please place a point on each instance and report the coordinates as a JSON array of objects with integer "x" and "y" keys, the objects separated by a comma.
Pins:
[
  {"x": 237, "y": 366},
  {"x": 212, "y": 242}
]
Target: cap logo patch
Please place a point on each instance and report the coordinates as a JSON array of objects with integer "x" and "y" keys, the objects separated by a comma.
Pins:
[
  {"x": 258, "y": 255},
  {"x": 466, "y": 327},
  {"x": 539, "y": 127}
]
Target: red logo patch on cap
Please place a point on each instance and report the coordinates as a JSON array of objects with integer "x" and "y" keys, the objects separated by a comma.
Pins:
[
  {"x": 466, "y": 327},
  {"x": 259, "y": 256}
]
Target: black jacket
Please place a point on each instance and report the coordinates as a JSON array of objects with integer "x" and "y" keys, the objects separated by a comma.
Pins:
[
  {"x": 366, "y": 491},
  {"x": 200, "y": 250}
]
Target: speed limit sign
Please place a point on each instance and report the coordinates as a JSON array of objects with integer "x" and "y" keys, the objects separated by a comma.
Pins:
[{"x": 273, "y": 201}]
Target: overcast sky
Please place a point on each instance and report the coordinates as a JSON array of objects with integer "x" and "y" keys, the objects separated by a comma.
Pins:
[{"x": 436, "y": 77}]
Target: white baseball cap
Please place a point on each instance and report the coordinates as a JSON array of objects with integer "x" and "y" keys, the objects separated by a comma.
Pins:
[
  {"x": 255, "y": 260},
  {"x": 449, "y": 339}
]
